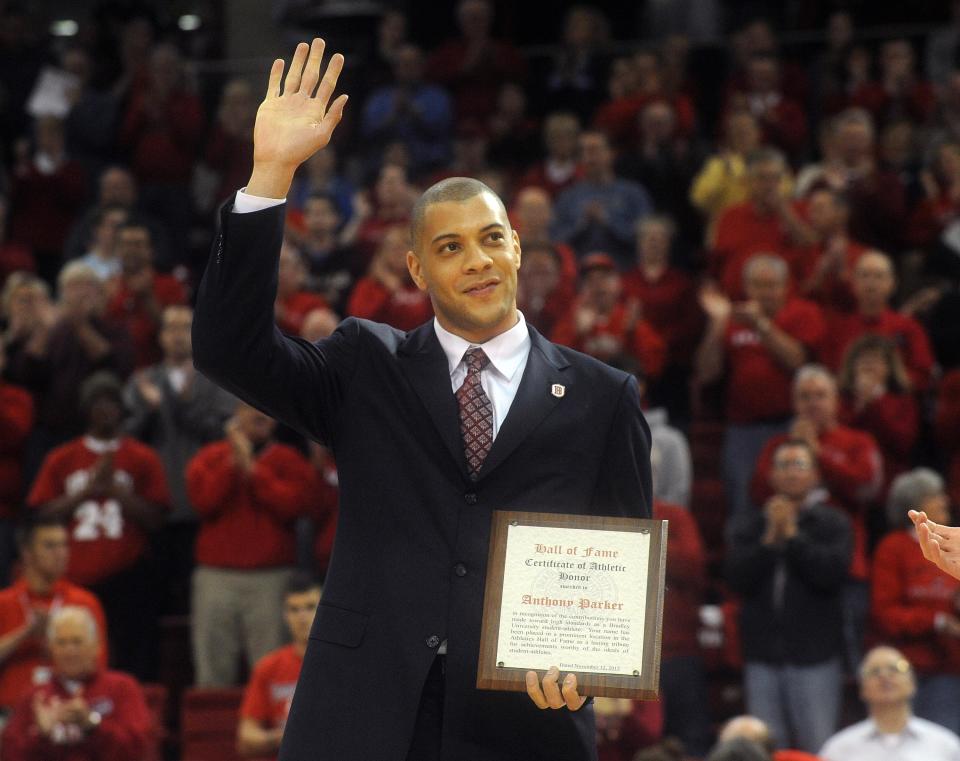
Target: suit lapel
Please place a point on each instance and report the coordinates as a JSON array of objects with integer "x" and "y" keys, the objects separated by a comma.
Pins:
[
  {"x": 533, "y": 402},
  {"x": 425, "y": 366}
]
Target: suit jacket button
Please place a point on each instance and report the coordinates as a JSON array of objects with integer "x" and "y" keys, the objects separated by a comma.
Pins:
[
  {"x": 460, "y": 569},
  {"x": 433, "y": 641},
  {"x": 470, "y": 498}
]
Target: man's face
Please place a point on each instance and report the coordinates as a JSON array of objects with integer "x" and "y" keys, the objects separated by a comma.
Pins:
[
  {"x": 175, "y": 333},
  {"x": 854, "y": 142},
  {"x": 824, "y": 212},
  {"x": 290, "y": 271},
  {"x": 794, "y": 473},
  {"x": 873, "y": 280},
  {"x": 653, "y": 243},
  {"x": 767, "y": 287},
  {"x": 886, "y": 679},
  {"x": 601, "y": 289},
  {"x": 533, "y": 212},
  {"x": 540, "y": 273},
  {"x": 560, "y": 136},
  {"x": 392, "y": 186},
  {"x": 298, "y": 612},
  {"x": 765, "y": 179},
  {"x": 82, "y": 295},
  {"x": 73, "y": 649},
  {"x": 106, "y": 231},
  {"x": 815, "y": 399},
  {"x": 134, "y": 248},
  {"x": 408, "y": 65},
  {"x": 320, "y": 216},
  {"x": 763, "y": 75},
  {"x": 393, "y": 250},
  {"x": 105, "y": 415},
  {"x": 48, "y": 551},
  {"x": 595, "y": 154},
  {"x": 117, "y": 188},
  {"x": 467, "y": 257},
  {"x": 257, "y": 426}
]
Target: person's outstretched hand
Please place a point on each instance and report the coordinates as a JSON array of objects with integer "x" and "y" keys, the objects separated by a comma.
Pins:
[
  {"x": 940, "y": 544},
  {"x": 295, "y": 119}
]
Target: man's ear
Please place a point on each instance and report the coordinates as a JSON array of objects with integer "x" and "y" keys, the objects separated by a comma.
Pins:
[
  {"x": 516, "y": 247},
  {"x": 416, "y": 273}
]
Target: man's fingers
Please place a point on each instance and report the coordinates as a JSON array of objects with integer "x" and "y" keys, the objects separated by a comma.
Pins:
[
  {"x": 335, "y": 114},
  {"x": 295, "y": 72},
  {"x": 311, "y": 72},
  {"x": 534, "y": 691},
  {"x": 571, "y": 697},
  {"x": 276, "y": 76},
  {"x": 551, "y": 690},
  {"x": 329, "y": 82}
]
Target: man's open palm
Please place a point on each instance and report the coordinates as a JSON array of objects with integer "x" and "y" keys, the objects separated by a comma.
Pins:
[{"x": 295, "y": 121}]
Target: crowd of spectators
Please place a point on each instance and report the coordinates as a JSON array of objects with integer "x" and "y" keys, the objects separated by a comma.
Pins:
[{"x": 775, "y": 258}]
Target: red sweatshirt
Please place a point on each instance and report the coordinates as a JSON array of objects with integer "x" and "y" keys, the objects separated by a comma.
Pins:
[
  {"x": 686, "y": 579},
  {"x": 852, "y": 470},
  {"x": 670, "y": 305},
  {"x": 16, "y": 420},
  {"x": 26, "y": 665},
  {"x": 404, "y": 309},
  {"x": 906, "y": 333},
  {"x": 643, "y": 342},
  {"x": 894, "y": 421},
  {"x": 103, "y": 541},
  {"x": 906, "y": 595},
  {"x": 123, "y": 734},
  {"x": 128, "y": 312},
  {"x": 246, "y": 519},
  {"x": 296, "y": 307}
]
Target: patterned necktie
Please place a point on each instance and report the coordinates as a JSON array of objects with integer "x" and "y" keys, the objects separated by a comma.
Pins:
[{"x": 476, "y": 412}]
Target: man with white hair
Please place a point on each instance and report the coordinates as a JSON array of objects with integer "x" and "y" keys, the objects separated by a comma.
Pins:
[
  {"x": 83, "y": 713},
  {"x": 762, "y": 341},
  {"x": 891, "y": 732}
]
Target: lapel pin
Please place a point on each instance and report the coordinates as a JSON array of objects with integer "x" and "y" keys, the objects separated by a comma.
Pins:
[{"x": 558, "y": 390}]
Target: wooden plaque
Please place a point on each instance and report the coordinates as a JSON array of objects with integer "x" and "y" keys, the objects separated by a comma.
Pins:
[{"x": 581, "y": 592}]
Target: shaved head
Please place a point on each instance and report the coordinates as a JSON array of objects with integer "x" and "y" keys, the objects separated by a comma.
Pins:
[{"x": 457, "y": 189}]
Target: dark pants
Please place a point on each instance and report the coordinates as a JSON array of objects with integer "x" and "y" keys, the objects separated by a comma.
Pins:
[
  {"x": 683, "y": 683},
  {"x": 426, "y": 734}
]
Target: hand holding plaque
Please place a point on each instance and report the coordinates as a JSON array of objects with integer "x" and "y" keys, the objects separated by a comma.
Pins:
[{"x": 581, "y": 593}]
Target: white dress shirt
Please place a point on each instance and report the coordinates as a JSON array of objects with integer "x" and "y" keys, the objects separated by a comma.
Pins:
[
  {"x": 508, "y": 354},
  {"x": 920, "y": 740}
]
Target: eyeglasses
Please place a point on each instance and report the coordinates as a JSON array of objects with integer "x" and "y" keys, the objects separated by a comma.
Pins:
[
  {"x": 793, "y": 464},
  {"x": 901, "y": 666}
]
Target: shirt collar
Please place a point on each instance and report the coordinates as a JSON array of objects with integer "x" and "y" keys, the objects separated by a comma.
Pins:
[
  {"x": 909, "y": 729},
  {"x": 99, "y": 446},
  {"x": 506, "y": 351}
]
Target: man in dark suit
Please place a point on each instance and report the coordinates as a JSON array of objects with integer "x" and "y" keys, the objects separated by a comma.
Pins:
[{"x": 430, "y": 436}]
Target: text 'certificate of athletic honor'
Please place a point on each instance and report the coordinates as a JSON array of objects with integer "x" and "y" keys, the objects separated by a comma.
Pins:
[{"x": 575, "y": 599}]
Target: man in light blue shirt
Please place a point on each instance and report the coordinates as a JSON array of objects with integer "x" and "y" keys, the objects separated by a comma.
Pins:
[{"x": 891, "y": 732}]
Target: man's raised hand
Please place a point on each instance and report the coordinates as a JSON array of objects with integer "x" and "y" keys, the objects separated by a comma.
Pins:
[
  {"x": 940, "y": 544},
  {"x": 295, "y": 119}
]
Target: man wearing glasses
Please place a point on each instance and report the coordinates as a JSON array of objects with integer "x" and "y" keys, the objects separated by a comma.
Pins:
[
  {"x": 789, "y": 561},
  {"x": 891, "y": 732}
]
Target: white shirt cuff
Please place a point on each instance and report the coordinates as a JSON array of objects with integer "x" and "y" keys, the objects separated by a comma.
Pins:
[{"x": 245, "y": 203}]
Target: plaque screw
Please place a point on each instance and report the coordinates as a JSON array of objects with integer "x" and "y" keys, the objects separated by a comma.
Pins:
[
  {"x": 499, "y": 664},
  {"x": 644, "y": 531},
  {"x": 636, "y": 673},
  {"x": 514, "y": 523}
]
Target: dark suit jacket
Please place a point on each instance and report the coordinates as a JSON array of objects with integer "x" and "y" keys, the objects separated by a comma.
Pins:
[{"x": 409, "y": 514}]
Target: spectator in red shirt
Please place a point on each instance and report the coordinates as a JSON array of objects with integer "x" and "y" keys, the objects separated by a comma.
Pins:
[
  {"x": 941, "y": 203},
  {"x": 899, "y": 93},
  {"x": 333, "y": 265},
  {"x": 294, "y": 302},
  {"x": 162, "y": 130},
  {"x": 915, "y": 604},
  {"x": 141, "y": 293},
  {"x": 765, "y": 223},
  {"x": 249, "y": 492},
  {"x": 873, "y": 285},
  {"x": 754, "y": 729},
  {"x": 16, "y": 421},
  {"x": 624, "y": 726},
  {"x": 113, "y": 491},
  {"x": 47, "y": 192},
  {"x": 762, "y": 341},
  {"x": 13, "y": 256},
  {"x": 666, "y": 294},
  {"x": 602, "y": 324},
  {"x": 474, "y": 66},
  {"x": 267, "y": 696},
  {"x": 560, "y": 167},
  {"x": 825, "y": 270},
  {"x": 387, "y": 294},
  {"x": 26, "y": 605},
  {"x": 532, "y": 215},
  {"x": 782, "y": 119},
  {"x": 543, "y": 293},
  {"x": 875, "y": 398},
  {"x": 391, "y": 203},
  {"x": 84, "y": 712}
]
